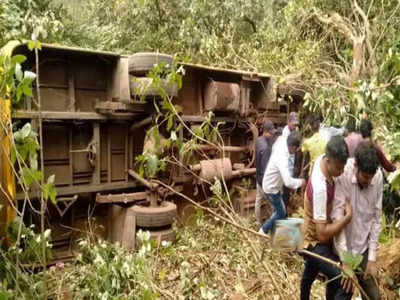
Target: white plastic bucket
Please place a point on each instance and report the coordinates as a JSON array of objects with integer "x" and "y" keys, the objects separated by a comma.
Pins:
[{"x": 288, "y": 235}]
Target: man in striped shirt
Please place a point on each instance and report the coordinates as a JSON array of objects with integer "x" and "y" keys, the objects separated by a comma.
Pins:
[{"x": 362, "y": 183}]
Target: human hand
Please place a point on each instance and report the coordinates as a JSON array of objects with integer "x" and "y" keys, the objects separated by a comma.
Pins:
[
  {"x": 348, "y": 210},
  {"x": 303, "y": 183},
  {"x": 371, "y": 269},
  {"x": 347, "y": 281}
]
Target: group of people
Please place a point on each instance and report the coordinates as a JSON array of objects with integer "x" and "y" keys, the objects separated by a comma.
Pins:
[{"x": 342, "y": 197}]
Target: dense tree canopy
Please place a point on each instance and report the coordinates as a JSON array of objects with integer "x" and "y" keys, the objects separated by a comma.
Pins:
[{"x": 344, "y": 53}]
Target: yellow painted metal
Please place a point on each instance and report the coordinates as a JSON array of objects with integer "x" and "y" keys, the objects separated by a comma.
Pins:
[{"x": 7, "y": 191}]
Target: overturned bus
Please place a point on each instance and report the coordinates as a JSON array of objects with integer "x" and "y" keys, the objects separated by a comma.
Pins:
[{"x": 95, "y": 115}]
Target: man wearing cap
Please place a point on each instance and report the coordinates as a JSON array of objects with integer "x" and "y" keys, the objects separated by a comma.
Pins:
[{"x": 263, "y": 153}]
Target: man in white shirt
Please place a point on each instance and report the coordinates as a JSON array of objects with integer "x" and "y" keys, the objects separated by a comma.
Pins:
[
  {"x": 293, "y": 121},
  {"x": 276, "y": 175},
  {"x": 362, "y": 183},
  {"x": 280, "y": 144}
]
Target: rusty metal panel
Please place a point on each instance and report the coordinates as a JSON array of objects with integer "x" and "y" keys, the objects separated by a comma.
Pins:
[
  {"x": 85, "y": 100},
  {"x": 264, "y": 94},
  {"x": 188, "y": 98},
  {"x": 56, "y": 153},
  {"x": 54, "y": 99},
  {"x": 81, "y": 137},
  {"x": 117, "y": 166},
  {"x": 90, "y": 74},
  {"x": 53, "y": 73},
  {"x": 138, "y": 142},
  {"x": 221, "y": 96},
  {"x": 103, "y": 152},
  {"x": 61, "y": 172},
  {"x": 120, "y": 81},
  {"x": 118, "y": 150},
  {"x": 56, "y": 144}
]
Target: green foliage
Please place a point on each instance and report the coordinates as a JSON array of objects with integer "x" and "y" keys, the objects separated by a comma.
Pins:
[
  {"x": 149, "y": 164},
  {"x": 15, "y": 84},
  {"x": 30, "y": 19},
  {"x": 389, "y": 229},
  {"x": 49, "y": 190},
  {"x": 352, "y": 262},
  {"x": 240, "y": 34},
  {"x": 394, "y": 180},
  {"x": 106, "y": 271},
  {"x": 14, "y": 255},
  {"x": 23, "y": 246},
  {"x": 30, "y": 245},
  {"x": 26, "y": 146}
]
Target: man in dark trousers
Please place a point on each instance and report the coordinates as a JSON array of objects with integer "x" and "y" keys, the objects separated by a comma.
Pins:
[
  {"x": 362, "y": 183},
  {"x": 263, "y": 153},
  {"x": 319, "y": 229}
]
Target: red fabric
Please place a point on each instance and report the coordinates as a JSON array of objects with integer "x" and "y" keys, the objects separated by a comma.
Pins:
[
  {"x": 330, "y": 190},
  {"x": 385, "y": 163},
  {"x": 352, "y": 141}
]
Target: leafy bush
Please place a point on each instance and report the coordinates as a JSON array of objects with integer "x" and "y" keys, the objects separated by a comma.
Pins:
[
  {"x": 20, "y": 253},
  {"x": 106, "y": 271}
]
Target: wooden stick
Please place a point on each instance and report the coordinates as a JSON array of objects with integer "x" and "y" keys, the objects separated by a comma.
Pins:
[
  {"x": 337, "y": 265},
  {"x": 306, "y": 252}
]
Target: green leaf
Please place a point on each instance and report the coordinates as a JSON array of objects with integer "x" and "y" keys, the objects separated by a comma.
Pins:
[
  {"x": 163, "y": 165},
  {"x": 152, "y": 165},
  {"x": 173, "y": 136},
  {"x": 5, "y": 295},
  {"x": 13, "y": 155},
  {"x": 26, "y": 130},
  {"x": 51, "y": 179},
  {"x": 33, "y": 162},
  {"x": 49, "y": 190},
  {"x": 148, "y": 295},
  {"x": 23, "y": 151},
  {"x": 19, "y": 94},
  {"x": 170, "y": 122},
  {"x": 18, "y": 72},
  {"x": 30, "y": 176},
  {"x": 34, "y": 44},
  {"x": 163, "y": 273},
  {"x": 18, "y": 59},
  {"x": 353, "y": 261},
  {"x": 31, "y": 45},
  {"x": 394, "y": 179},
  {"x": 26, "y": 89}
]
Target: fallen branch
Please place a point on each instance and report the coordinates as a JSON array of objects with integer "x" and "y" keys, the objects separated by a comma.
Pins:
[
  {"x": 306, "y": 252},
  {"x": 337, "y": 265}
]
